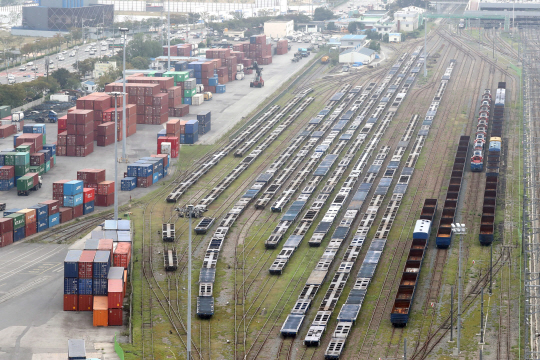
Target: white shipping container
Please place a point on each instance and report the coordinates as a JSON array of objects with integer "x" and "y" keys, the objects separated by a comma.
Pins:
[
  {"x": 17, "y": 116},
  {"x": 240, "y": 76},
  {"x": 197, "y": 99},
  {"x": 60, "y": 97},
  {"x": 200, "y": 88},
  {"x": 240, "y": 67},
  {"x": 166, "y": 148},
  {"x": 5, "y": 122}
]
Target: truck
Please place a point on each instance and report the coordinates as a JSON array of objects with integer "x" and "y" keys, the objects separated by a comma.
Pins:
[
  {"x": 325, "y": 59},
  {"x": 27, "y": 183},
  {"x": 17, "y": 116},
  {"x": 60, "y": 97}
]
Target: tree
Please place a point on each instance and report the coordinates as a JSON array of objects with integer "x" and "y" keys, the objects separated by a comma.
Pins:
[
  {"x": 386, "y": 38},
  {"x": 331, "y": 26},
  {"x": 322, "y": 13},
  {"x": 140, "y": 63},
  {"x": 374, "y": 45},
  {"x": 85, "y": 66},
  {"x": 143, "y": 45},
  {"x": 62, "y": 76},
  {"x": 238, "y": 15},
  {"x": 107, "y": 78}
]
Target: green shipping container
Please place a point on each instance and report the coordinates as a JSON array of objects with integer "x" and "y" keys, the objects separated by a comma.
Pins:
[
  {"x": 190, "y": 93},
  {"x": 23, "y": 148},
  {"x": 177, "y": 75},
  {"x": 5, "y": 111},
  {"x": 150, "y": 74},
  {"x": 22, "y": 158},
  {"x": 21, "y": 170},
  {"x": 18, "y": 220},
  {"x": 48, "y": 166},
  {"x": 54, "y": 159},
  {"x": 25, "y": 183},
  {"x": 9, "y": 158},
  {"x": 44, "y": 139},
  {"x": 38, "y": 169}
]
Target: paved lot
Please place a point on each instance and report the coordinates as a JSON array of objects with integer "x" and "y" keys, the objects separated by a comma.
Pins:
[{"x": 34, "y": 325}]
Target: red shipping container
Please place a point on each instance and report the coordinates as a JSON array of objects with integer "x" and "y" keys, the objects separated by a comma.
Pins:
[
  {"x": 6, "y": 239},
  {"x": 58, "y": 187},
  {"x": 86, "y": 302},
  {"x": 122, "y": 255},
  {"x": 82, "y": 140},
  {"x": 88, "y": 195},
  {"x": 30, "y": 229},
  {"x": 106, "y": 129},
  {"x": 58, "y": 197},
  {"x": 105, "y": 200},
  {"x": 91, "y": 186},
  {"x": 106, "y": 245},
  {"x": 71, "y": 302},
  {"x": 105, "y": 140},
  {"x": 83, "y": 129},
  {"x": 7, "y": 130},
  {"x": 106, "y": 188},
  {"x": 78, "y": 211},
  {"x": 144, "y": 182},
  {"x": 71, "y": 150},
  {"x": 7, "y": 172},
  {"x": 132, "y": 129},
  {"x": 62, "y": 123},
  {"x": 116, "y": 317},
  {"x": 66, "y": 214},
  {"x": 53, "y": 205},
  {"x": 36, "y": 159},
  {"x": 86, "y": 264},
  {"x": 82, "y": 151},
  {"x": 6, "y": 225},
  {"x": 115, "y": 291}
]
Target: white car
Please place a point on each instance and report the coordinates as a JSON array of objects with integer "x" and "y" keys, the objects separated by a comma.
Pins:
[
  {"x": 64, "y": 52},
  {"x": 72, "y": 54},
  {"x": 51, "y": 66},
  {"x": 87, "y": 49},
  {"x": 30, "y": 63},
  {"x": 61, "y": 58},
  {"x": 22, "y": 68},
  {"x": 92, "y": 52},
  {"x": 11, "y": 81},
  {"x": 236, "y": 39},
  {"x": 110, "y": 39}
]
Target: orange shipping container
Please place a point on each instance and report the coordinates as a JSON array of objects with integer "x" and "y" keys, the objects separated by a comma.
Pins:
[
  {"x": 29, "y": 215},
  {"x": 101, "y": 313},
  {"x": 122, "y": 255},
  {"x": 125, "y": 281}
]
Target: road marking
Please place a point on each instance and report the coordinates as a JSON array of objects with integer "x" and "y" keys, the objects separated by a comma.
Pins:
[{"x": 22, "y": 289}]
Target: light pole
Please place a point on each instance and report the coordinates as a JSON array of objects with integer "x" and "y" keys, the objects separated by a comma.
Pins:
[
  {"x": 190, "y": 214},
  {"x": 169, "y": 38},
  {"x": 124, "y": 32},
  {"x": 460, "y": 230},
  {"x": 116, "y": 94}
]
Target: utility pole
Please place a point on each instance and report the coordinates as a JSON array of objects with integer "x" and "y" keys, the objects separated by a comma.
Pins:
[
  {"x": 482, "y": 318},
  {"x": 116, "y": 94},
  {"x": 425, "y": 45},
  {"x": 404, "y": 349},
  {"x": 452, "y": 314},
  {"x": 124, "y": 32},
  {"x": 490, "y": 269},
  {"x": 460, "y": 230},
  {"x": 494, "y": 32},
  {"x": 169, "y": 36},
  {"x": 188, "y": 346}
]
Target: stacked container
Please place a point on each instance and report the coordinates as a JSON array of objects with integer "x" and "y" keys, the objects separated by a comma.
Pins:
[
  {"x": 282, "y": 47},
  {"x": 91, "y": 177},
  {"x": 18, "y": 223},
  {"x": 73, "y": 199},
  {"x": 204, "y": 120},
  {"x": 78, "y": 139},
  {"x": 151, "y": 103},
  {"x": 7, "y": 130},
  {"x": 37, "y": 139},
  {"x": 30, "y": 221},
  {"x": 7, "y": 177},
  {"x": 71, "y": 280},
  {"x": 148, "y": 170},
  {"x": 6, "y": 231},
  {"x": 53, "y": 212},
  {"x": 191, "y": 135},
  {"x": 42, "y": 217},
  {"x": 89, "y": 196},
  {"x": 259, "y": 50},
  {"x": 116, "y": 293},
  {"x": 19, "y": 160},
  {"x": 86, "y": 292},
  {"x": 105, "y": 194}
]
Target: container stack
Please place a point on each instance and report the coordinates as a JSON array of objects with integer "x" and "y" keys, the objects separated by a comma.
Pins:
[
  {"x": 101, "y": 266},
  {"x": 91, "y": 177},
  {"x": 7, "y": 178},
  {"x": 259, "y": 50},
  {"x": 71, "y": 280},
  {"x": 105, "y": 194},
  {"x": 7, "y": 130},
  {"x": 151, "y": 103},
  {"x": 282, "y": 47},
  {"x": 86, "y": 290},
  {"x": 115, "y": 296},
  {"x": 20, "y": 223},
  {"x": 147, "y": 171},
  {"x": 73, "y": 200},
  {"x": 178, "y": 50},
  {"x": 78, "y": 139},
  {"x": 204, "y": 120}
]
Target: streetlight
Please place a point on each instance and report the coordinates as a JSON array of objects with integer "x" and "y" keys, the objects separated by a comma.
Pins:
[
  {"x": 116, "y": 94},
  {"x": 190, "y": 214},
  {"x": 460, "y": 230},
  {"x": 124, "y": 32}
]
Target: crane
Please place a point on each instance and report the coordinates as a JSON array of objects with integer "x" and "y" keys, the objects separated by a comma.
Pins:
[{"x": 258, "y": 82}]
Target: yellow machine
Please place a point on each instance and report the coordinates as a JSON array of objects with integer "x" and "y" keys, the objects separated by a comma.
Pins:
[
  {"x": 207, "y": 96},
  {"x": 325, "y": 59}
]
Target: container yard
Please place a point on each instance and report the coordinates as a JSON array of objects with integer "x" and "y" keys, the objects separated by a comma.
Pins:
[{"x": 324, "y": 216}]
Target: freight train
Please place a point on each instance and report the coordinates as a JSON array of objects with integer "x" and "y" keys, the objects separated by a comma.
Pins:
[
  {"x": 409, "y": 280},
  {"x": 482, "y": 127},
  {"x": 487, "y": 222}
]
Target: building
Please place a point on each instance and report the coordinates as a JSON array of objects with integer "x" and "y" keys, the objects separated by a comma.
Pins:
[
  {"x": 63, "y": 15},
  {"x": 352, "y": 41},
  {"x": 394, "y": 37},
  {"x": 357, "y": 55},
  {"x": 279, "y": 28},
  {"x": 406, "y": 20},
  {"x": 386, "y": 28},
  {"x": 88, "y": 86},
  {"x": 234, "y": 33},
  {"x": 102, "y": 67}
]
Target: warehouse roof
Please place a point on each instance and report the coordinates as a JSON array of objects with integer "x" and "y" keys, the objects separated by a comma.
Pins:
[{"x": 353, "y": 37}]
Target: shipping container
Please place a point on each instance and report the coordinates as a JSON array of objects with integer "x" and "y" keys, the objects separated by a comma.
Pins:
[
  {"x": 42, "y": 211},
  {"x": 19, "y": 234},
  {"x": 66, "y": 214},
  {"x": 6, "y": 225},
  {"x": 88, "y": 207},
  {"x": 71, "y": 264},
  {"x": 42, "y": 224},
  {"x": 71, "y": 302},
  {"x": 99, "y": 286},
  {"x": 86, "y": 264},
  {"x": 115, "y": 293},
  {"x": 122, "y": 254},
  {"x": 85, "y": 286},
  {"x": 128, "y": 183},
  {"x": 100, "y": 311},
  {"x": 54, "y": 219},
  {"x": 102, "y": 262},
  {"x": 116, "y": 317},
  {"x": 86, "y": 302},
  {"x": 72, "y": 201},
  {"x": 73, "y": 187},
  {"x": 71, "y": 286},
  {"x": 6, "y": 239},
  {"x": 88, "y": 195}
]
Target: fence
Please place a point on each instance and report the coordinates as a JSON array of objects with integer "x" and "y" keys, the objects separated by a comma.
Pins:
[{"x": 29, "y": 105}]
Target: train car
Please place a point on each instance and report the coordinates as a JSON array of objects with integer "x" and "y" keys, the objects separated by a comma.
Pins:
[
  {"x": 495, "y": 144},
  {"x": 477, "y": 161},
  {"x": 422, "y": 229}
]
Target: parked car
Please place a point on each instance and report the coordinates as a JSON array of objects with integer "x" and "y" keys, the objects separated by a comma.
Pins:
[
  {"x": 61, "y": 58},
  {"x": 22, "y": 68}
]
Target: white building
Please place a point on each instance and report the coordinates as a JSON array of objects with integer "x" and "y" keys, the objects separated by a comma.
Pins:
[
  {"x": 352, "y": 41},
  {"x": 406, "y": 20},
  {"x": 360, "y": 54},
  {"x": 101, "y": 68},
  {"x": 386, "y": 27},
  {"x": 279, "y": 28},
  {"x": 394, "y": 37},
  {"x": 88, "y": 86}
]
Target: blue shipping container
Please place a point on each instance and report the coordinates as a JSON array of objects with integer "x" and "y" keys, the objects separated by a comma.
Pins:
[
  {"x": 192, "y": 127},
  {"x": 73, "y": 187},
  {"x": 39, "y": 129},
  {"x": 71, "y": 264},
  {"x": 145, "y": 170},
  {"x": 213, "y": 81},
  {"x": 19, "y": 234},
  {"x": 162, "y": 132},
  {"x": 155, "y": 178},
  {"x": 50, "y": 147},
  {"x": 47, "y": 154},
  {"x": 132, "y": 170},
  {"x": 191, "y": 138},
  {"x": 10, "y": 211},
  {"x": 42, "y": 224},
  {"x": 102, "y": 262},
  {"x": 85, "y": 286},
  {"x": 220, "y": 89},
  {"x": 128, "y": 183},
  {"x": 186, "y": 101},
  {"x": 160, "y": 175},
  {"x": 99, "y": 286},
  {"x": 71, "y": 286},
  {"x": 15, "y": 139},
  {"x": 6, "y": 185},
  {"x": 42, "y": 211},
  {"x": 198, "y": 80},
  {"x": 88, "y": 207},
  {"x": 54, "y": 219},
  {"x": 72, "y": 201}
]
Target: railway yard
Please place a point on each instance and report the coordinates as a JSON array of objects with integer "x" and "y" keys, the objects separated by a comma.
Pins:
[{"x": 322, "y": 228}]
